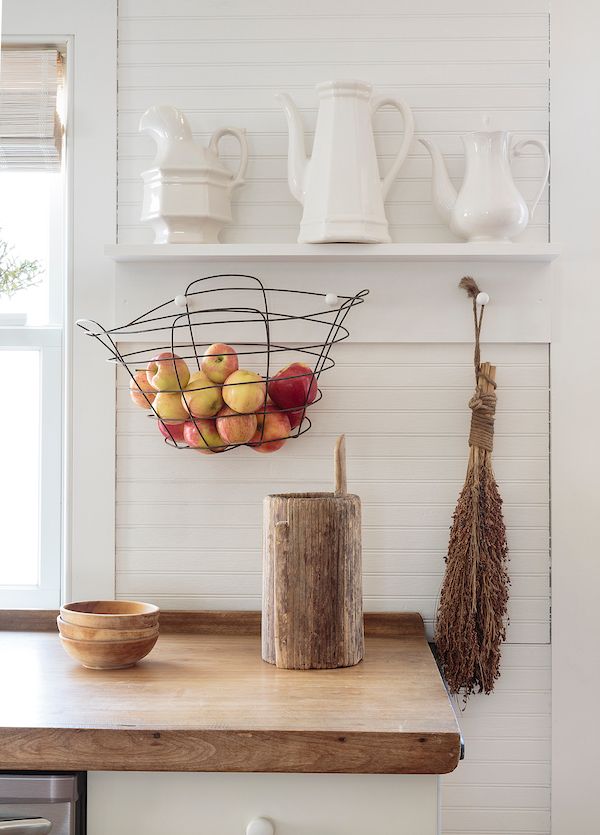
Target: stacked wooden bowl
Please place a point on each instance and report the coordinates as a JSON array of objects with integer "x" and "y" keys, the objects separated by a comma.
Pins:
[{"x": 108, "y": 634}]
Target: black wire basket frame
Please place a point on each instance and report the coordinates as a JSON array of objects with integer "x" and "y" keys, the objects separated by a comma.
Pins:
[{"x": 330, "y": 317}]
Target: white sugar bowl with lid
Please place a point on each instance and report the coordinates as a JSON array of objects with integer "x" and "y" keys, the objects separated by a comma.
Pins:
[{"x": 187, "y": 192}]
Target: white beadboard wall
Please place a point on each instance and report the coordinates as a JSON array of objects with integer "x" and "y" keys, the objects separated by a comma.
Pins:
[
  {"x": 188, "y": 532},
  {"x": 189, "y": 525}
]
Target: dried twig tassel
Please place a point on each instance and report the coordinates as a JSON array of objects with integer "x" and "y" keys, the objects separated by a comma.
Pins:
[{"x": 472, "y": 614}]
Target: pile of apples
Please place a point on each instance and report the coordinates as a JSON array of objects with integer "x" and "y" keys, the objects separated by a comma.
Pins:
[{"x": 223, "y": 405}]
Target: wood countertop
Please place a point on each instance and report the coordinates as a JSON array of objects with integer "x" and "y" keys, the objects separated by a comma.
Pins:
[{"x": 203, "y": 700}]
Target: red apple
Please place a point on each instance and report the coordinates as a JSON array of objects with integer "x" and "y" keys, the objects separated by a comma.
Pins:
[
  {"x": 272, "y": 436},
  {"x": 172, "y": 431},
  {"x": 140, "y": 390},
  {"x": 203, "y": 436},
  {"x": 168, "y": 372},
  {"x": 295, "y": 418},
  {"x": 294, "y": 387},
  {"x": 244, "y": 391},
  {"x": 219, "y": 361},
  {"x": 235, "y": 428}
]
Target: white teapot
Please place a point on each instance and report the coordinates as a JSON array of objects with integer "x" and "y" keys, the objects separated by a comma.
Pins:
[
  {"x": 488, "y": 207},
  {"x": 187, "y": 193}
]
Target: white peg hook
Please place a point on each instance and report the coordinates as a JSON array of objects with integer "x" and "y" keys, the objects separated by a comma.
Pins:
[
  {"x": 180, "y": 301},
  {"x": 482, "y": 298},
  {"x": 260, "y": 826},
  {"x": 331, "y": 299}
]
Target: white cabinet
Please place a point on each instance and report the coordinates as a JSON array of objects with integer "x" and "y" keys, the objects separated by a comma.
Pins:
[{"x": 136, "y": 803}]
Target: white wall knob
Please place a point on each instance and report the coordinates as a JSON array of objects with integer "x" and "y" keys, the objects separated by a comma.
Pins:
[
  {"x": 260, "y": 826},
  {"x": 331, "y": 299},
  {"x": 180, "y": 301},
  {"x": 482, "y": 298}
]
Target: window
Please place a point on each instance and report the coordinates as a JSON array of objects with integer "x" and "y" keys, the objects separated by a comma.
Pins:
[{"x": 32, "y": 291}]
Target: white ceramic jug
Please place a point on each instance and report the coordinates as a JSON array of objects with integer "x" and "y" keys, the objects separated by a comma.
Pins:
[
  {"x": 187, "y": 192},
  {"x": 488, "y": 207},
  {"x": 339, "y": 185}
]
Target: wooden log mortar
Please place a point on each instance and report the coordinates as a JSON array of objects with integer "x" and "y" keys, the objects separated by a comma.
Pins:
[{"x": 312, "y": 615}]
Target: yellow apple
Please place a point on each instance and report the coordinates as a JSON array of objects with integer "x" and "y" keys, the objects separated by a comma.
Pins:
[
  {"x": 168, "y": 372},
  {"x": 219, "y": 361},
  {"x": 169, "y": 408},
  {"x": 244, "y": 391},
  {"x": 201, "y": 397}
]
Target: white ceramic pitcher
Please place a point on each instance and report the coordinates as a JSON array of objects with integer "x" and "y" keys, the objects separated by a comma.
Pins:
[
  {"x": 339, "y": 185},
  {"x": 488, "y": 206},
  {"x": 187, "y": 192}
]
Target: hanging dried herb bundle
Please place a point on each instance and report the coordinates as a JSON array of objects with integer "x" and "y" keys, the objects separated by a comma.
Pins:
[{"x": 472, "y": 614}]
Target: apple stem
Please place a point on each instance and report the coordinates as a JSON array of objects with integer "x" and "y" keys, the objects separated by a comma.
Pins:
[{"x": 341, "y": 486}]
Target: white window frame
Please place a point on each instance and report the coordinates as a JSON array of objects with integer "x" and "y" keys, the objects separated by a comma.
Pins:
[
  {"x": 48, "y": 342},
  {"x": 89, "y": 30}
]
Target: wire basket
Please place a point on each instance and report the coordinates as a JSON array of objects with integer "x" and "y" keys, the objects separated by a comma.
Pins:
[{"x": 259, "y": 326}]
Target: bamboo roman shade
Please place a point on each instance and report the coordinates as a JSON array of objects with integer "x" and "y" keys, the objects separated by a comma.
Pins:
[{"x": 30, "y": 127}]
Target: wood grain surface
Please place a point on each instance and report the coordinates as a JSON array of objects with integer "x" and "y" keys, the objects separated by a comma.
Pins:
[
  {"x": 377, "y": 624},
  {"x": 312, "y": 581},
  {"x": 207, "y": 702},
  {"x": 28, "y": 620}
]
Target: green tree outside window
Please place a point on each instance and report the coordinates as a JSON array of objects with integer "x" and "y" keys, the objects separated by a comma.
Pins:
[{"x": 16, "y": 274}]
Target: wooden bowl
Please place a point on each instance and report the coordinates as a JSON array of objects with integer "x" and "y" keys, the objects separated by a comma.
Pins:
[
  {"x": 110, "y": 614},
  {"x": 86, "y": 633},
  {"x": 108, "y": 655}
]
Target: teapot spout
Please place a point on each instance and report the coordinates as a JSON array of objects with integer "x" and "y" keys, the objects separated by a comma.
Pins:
[
  {"x": 444, "y": 193},
  {"x": 297, "y": 159}
]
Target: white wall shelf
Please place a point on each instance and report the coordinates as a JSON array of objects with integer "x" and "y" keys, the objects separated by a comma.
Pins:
[{"x": 482, "y": 252}]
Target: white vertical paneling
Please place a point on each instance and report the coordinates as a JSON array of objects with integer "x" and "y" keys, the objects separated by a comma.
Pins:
[
  {"x": 188, "y": 526},
  {"x": 503, "y": 784},
  {"x": 222, "y": 64}
]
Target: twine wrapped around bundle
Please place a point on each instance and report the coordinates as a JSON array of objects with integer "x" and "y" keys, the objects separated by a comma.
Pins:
[{"x": 472, "y": 613}]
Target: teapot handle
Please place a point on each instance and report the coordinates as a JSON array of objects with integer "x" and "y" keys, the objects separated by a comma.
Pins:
[
  {"x": 240, "y": 135},
  {"x": 409, "y": 129},
  {"x": 516, "y": 152}
]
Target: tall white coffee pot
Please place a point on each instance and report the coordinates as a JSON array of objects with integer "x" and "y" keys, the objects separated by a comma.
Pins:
[{"x": 339, "y": 185}]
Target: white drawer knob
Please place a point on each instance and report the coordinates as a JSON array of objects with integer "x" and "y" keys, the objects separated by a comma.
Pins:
[{"x": 260, "y": 826}]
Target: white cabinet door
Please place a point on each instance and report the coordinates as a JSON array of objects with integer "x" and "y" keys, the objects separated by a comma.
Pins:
[{"x": 135, "y": 803}]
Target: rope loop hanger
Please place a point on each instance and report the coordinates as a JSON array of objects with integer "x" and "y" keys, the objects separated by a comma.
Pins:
[{"x": 483, "y": 401}]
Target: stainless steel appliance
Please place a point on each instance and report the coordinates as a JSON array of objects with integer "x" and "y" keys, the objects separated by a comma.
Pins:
[{"x": 42, "y": 804}]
